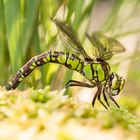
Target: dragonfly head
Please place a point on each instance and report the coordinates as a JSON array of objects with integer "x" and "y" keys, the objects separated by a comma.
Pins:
[{"x": 116, "y": 83}]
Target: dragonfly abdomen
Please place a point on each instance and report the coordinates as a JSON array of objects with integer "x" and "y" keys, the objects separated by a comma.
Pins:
[
  {"x": 70, "y": 60},
  {"x": 25, "y": 71}
]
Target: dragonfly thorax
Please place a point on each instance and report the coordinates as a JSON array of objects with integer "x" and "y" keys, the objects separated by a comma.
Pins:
[{"x": 96, "y": 72}]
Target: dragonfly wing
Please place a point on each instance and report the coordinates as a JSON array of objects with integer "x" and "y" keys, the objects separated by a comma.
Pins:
[
  {"x": 69, "y": 38},
  {"x": 106, "y": 47},
  {"x": 97, "y": 47}
]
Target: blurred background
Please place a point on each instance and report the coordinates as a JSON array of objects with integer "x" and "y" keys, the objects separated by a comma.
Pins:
[{"x": 26, "y": 30}]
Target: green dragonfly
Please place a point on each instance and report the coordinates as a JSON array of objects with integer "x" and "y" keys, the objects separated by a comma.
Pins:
[{"x": 96, "y": 70}]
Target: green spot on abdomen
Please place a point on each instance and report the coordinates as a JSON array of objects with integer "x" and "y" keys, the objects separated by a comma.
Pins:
[
  {"x": 61, "y": 58},
  {"x": 31, "y": 67},
  {"x": 38, "y": 62},
  {"x": 44, "y": 59},
  {"x": 34, "y": 64},
  {"x": 48, "y": 56},
  {"x": 73, "y": 63},
  {"x": 20, "y": 79}
]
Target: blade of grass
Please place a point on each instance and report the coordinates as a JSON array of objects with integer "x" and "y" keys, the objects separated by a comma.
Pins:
[
  {"x": 127, "y": 33},
  {"x": 30, "y": 19},
  {"x": 110, "y": 21},
  {"x": 19, "y": 19},
  {"x": 3, "y": 45},
  {"x": 12, "y": 18}
]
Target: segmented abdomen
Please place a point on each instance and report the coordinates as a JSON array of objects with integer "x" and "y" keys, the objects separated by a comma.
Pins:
[{"x": 68, "y": 59}]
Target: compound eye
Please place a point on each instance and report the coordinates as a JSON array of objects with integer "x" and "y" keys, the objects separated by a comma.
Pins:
[
  {"x": 111, "y": 76},
  {"x": 115, "y": 82}
]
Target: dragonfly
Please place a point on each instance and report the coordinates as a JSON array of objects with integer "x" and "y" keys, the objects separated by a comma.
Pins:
[{"x": 96, "y": 70}]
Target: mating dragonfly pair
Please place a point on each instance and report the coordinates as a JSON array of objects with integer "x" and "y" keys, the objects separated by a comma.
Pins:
[{"x": 96, "y": 69}]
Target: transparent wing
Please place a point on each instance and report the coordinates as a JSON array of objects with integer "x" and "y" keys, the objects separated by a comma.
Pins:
[
  {"x": 69, "y": 38},
  {"x": 105, "y": 47}
]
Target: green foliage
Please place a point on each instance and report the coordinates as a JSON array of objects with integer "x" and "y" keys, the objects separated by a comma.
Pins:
[{"x": 40, "y": 96}]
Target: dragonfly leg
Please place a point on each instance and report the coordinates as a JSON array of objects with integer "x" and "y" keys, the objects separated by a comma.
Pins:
[
  {"x": 99, "y": 98},
  {"x": 105, "y": 98},
  {"x": 96, "y": 95},
  {"x": 78, "y": 83},
  {"x": 113, "y": 100}
]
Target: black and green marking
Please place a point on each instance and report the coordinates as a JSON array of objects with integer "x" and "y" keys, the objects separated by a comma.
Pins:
[{"x": 96, "y": 70}]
